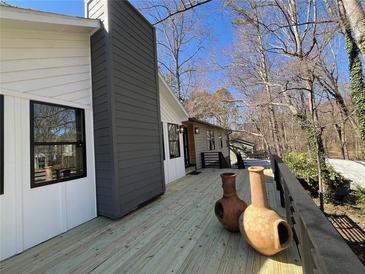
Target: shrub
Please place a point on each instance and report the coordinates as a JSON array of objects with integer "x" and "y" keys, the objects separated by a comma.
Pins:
[
  {"x": 305, "y": 169},
  {"x": 360, "y": 196}
]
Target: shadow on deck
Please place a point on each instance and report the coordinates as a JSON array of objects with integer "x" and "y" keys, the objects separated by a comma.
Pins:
[
  {"x": 177, "y": 233},
  {"x": 351, "y": 233}
]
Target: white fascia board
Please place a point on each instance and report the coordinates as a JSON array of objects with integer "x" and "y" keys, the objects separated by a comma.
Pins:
[
  {"x": 26, "y": 15},
  {"x": 182, "y": 109}
]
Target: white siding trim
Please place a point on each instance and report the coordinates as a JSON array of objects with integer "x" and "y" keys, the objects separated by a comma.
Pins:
[
  {"x": 45, "y": 71},
  {"x": 27, "y": 15},
  {"x": 171, "y": 113}
]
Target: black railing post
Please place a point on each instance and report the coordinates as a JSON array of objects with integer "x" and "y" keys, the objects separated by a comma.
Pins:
[
  {"x": 321, "y": 247},
  {"x": 203, "y": 160},
  {"x": 278, "y": 178},
  {"x": 220, "y": 156}
]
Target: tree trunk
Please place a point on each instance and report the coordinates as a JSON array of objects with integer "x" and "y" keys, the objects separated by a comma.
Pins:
[
  {"x": 355, "y": 66},
  {"x": 342, "y": 139},
  {"x": 356, "y": 17},
  {"x": 265, "y": 78},
  {"x": 357, "y": 84}
]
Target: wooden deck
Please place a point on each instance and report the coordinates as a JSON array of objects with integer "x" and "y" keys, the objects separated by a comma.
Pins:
[{"x": 177, "y": 233}]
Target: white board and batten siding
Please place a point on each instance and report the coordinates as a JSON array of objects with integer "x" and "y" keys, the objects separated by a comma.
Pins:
[
  {"x": 171, "y": 112},
  {"x": 46, "y": 63}
]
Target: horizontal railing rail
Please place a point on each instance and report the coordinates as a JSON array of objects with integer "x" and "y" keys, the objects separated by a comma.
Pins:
[
  {"x": 211, "y": 159},
  {"x": 321, "y": 248}
]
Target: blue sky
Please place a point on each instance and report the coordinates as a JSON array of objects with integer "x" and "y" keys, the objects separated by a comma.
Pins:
[{"x": 212, "y": 14}]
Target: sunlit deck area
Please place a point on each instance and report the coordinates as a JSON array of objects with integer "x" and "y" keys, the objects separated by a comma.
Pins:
[{"x": 177, "y": 233}]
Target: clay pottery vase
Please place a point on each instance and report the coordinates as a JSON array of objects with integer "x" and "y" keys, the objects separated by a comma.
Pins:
[
  {"x": 49, "y": 173},
  {"x": 229, "y": 208},
  {"x": 261, "y": 226}
]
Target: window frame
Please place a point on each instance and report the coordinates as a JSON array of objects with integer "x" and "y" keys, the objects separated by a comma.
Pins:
[
  {"x": 220, "y": 138},
  {"x": 211, "y": 139},
  {"x": 2, "y": 144},
  {"x": 174, "y": 141},
  {"x": 33, "y": 184}
]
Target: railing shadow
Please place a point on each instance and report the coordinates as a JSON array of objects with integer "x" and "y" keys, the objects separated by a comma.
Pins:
[{"x": 350, "y": 232}]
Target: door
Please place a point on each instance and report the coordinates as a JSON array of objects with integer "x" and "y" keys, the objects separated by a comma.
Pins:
[{"x": 186, "y": 147}]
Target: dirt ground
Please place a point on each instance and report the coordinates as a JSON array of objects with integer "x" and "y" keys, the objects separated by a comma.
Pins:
[
  {"x": 349, "y": 220},
  {"x": 354, "y": 212}
]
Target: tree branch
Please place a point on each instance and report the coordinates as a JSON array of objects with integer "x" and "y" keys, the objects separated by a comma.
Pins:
[{"x": 185, "y": 7}]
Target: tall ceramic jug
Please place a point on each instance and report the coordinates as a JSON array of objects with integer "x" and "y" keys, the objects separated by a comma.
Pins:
[
  {"x": 229, "y": 208},
  {"x": 262, "y": 227}
]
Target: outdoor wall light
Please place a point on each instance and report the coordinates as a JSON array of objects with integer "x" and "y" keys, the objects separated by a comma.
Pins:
[
  {"x": 196, "y": 130},
  {"x": 181, "y": 129}
]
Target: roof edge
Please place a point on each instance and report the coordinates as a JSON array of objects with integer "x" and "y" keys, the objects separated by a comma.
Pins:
[
  {"x": 29, "y": 15},
  {"x": 173, "y": 95},
  {"x": 194, "y": 120}
]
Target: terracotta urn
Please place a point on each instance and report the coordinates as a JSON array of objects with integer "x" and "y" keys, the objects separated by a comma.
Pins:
[
  {"x": 49, "y": 173},
  {"x": 229, "y": 208},
  {"x": 261, "y": 226}
]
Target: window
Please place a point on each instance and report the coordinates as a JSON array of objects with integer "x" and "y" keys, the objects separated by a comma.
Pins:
[
  {"x": 1, "y": 144},
  {"x": 220, "y": 140},
  {"x": 210, "y": 139},
  {"x": 174, "y": 142},
  {"x": 57, "y": 142}
]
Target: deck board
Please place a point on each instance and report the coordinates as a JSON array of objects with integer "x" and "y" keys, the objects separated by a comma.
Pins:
[{"x": 177, "y": 233}]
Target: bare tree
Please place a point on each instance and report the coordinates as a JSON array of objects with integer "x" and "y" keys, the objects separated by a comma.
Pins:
[
  {"x": 180, "y": 41},
  {"x": 254, "y": 38},
  {"x": 218, "y": 107},
  {"x": 174, "y": 8}
]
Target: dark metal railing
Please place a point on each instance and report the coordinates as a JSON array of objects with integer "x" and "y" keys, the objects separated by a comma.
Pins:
[
  {"x": 321, "y": 248},
  {"x": 214, "y": 159}
]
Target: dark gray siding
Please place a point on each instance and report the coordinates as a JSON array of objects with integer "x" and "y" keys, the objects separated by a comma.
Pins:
[
  {"x": 128, "y": 145},
  {"x": 105, "y": 172}
]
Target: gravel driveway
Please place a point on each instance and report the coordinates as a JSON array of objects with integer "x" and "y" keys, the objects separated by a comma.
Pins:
[{"x": 351, "y": 170}]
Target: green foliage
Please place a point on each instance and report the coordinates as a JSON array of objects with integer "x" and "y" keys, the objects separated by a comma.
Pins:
[
  {"x": 360, "y": 196},
  {"x": 335, "y": 183},
  {"x": 305, "y": 169}
]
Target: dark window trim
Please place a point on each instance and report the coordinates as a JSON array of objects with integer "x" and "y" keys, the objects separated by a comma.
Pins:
[
  {"x": 32, "y": 144},
  {"x": 2, "y": 145},
  {"x": 174, "y": 141},
  {"x": 220, "y": 138}
]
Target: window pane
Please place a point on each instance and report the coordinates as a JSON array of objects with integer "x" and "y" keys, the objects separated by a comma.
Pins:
[
  {"x": 57, "y": 162},
  {"x": 173, "y": 132},
  {"x": 174, "y": 141},
  {"x": 56, "y": 123},
  {"x": 174, "y": 149},
  {"x": 213, "y": 140}
]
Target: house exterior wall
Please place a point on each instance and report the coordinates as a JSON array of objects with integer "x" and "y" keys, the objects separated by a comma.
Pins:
[
  {"x": 174, "y": 168},
  {"x": 49, "y": 66},
  {"x": 191, "y": 140},
  {"x": 34, "y": 60},
  {"x": 201, "y": 143},
  {"x": 125, "y": 86}
]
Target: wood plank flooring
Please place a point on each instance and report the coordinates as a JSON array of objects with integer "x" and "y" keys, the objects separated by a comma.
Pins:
[{"x": 177, "y": 233}]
